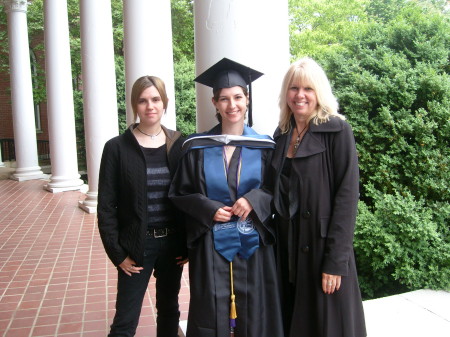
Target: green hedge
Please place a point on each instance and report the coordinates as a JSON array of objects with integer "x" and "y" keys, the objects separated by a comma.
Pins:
[{"x": 393, "y": 84}]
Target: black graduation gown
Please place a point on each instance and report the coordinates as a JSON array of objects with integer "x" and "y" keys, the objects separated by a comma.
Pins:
[{"x": 255, "y": 280}]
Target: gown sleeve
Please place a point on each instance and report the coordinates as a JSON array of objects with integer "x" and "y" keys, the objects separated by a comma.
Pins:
[{"x": 188, "y": 193}]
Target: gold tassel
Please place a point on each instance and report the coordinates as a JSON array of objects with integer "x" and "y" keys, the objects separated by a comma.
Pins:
[{"x": 233, "y": 314}]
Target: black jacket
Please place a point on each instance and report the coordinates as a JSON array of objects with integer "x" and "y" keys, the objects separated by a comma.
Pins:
[
  {"x": 122, "y": 196},
  {"x": 316, "y": 233}
]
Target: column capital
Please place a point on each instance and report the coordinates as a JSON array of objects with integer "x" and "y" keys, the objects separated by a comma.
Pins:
[{"x": 16, "y": 5}]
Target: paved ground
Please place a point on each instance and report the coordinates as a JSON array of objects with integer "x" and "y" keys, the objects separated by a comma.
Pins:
[
  {"x": 421, "y": 313},
  {"x": 56, "y": 280}
]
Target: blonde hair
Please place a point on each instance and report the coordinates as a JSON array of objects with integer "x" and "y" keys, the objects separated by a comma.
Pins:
[
  {"x": 143, "y": 83},
  {"x": 308, "y": 72}
]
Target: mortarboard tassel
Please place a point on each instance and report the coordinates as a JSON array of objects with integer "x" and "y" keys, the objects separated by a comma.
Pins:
[
  {"x": 233, "y": 314},
  {"x": 250, "y": 105}
]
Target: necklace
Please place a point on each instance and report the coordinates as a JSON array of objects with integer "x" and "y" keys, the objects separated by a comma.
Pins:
[
  {"x": 297, "y": 141},
  {"x": 151, "y": 136}
]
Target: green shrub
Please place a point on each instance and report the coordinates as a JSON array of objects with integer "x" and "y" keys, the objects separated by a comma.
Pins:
[
  {"x": 400, "y": 247},
  {"x": 185, "y": 96},
  {"x": 392, "y": 81}
]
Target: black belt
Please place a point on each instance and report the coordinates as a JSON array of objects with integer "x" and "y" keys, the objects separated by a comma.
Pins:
[{"x": 160, "y": 232}]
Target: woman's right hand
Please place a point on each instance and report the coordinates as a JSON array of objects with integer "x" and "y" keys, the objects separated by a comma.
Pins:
[
  {"x": 223, "y": 214},
  {"x": 331, "y": 283},
  {"x": 129, "y": 266}
]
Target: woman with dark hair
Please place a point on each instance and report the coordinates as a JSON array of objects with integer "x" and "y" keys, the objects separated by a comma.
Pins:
[
  {"x": 140, "y": 228},
  {"x": 230, "y": 240}
]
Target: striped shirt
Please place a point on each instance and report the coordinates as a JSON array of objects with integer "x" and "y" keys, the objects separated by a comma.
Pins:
[{"x": 160, "y": 211}]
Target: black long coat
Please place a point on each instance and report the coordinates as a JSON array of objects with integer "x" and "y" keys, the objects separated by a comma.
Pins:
[
  {"x": 255, "y": 279},
  {"x": 315, "y": 235}
]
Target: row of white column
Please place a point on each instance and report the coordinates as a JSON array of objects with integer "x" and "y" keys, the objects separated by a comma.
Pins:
[{"x": 223, "y": 28}]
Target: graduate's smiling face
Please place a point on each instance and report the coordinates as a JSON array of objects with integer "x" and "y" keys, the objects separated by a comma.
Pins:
[{"x": 231, "y": 104}]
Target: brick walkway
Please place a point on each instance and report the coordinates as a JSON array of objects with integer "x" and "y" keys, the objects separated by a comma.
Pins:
[{"x": 55, "y": 278}]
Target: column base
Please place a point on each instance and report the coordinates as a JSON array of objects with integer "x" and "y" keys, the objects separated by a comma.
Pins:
[
  {"x": 63, "y": 183},
  {"x": 89, "y": 204},
  {"x": 19, "y": 177},
  {"x": 87, "y": 208},
  {"x": 74, "y": 187},
  {"x": 28, "y": 173}
]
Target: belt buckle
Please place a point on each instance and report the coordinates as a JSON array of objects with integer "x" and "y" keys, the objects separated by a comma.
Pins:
[{"x": 162, "y": 230}]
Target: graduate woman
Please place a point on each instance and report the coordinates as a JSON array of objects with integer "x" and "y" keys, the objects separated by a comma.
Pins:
[
  {"x": 140, "y": 228},
  {"x": 233, "y": 288}
]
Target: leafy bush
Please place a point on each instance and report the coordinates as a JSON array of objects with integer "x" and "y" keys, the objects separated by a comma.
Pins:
[
  {"x": 392, "y": 81},
  {"x": 120, "y": 88},
  {"x": 185, "y": 96},
  {"x": 400, "y": 246}
]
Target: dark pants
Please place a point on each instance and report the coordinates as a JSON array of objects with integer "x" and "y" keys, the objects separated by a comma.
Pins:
[{"x": 160, "y": 256}]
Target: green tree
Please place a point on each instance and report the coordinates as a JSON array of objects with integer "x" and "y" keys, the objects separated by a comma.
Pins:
[
  {"x": 391, "y": 77},
  {"x": 184, "y": 65},
  {"x": 316, "y": 27},
  {"x": 185, "y": 96},
  {"x": 183, "y": 30}
]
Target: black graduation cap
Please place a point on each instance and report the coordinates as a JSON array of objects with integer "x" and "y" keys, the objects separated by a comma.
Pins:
[{"x": 227, "y": 74}]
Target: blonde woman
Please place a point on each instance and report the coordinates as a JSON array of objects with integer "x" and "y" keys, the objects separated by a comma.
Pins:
[{"x": 315, "y": 167}]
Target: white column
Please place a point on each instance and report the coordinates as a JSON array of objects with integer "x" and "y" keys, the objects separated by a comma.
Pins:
[
  {"x": 99, "y": 88},
  {"x": 60, "y": 109},
  {"x": 148, "y": 49},
  {"x": 22, "y": 93},
  {"x": 226, "y": 28},
  {"x": 2, "y": 164}
]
